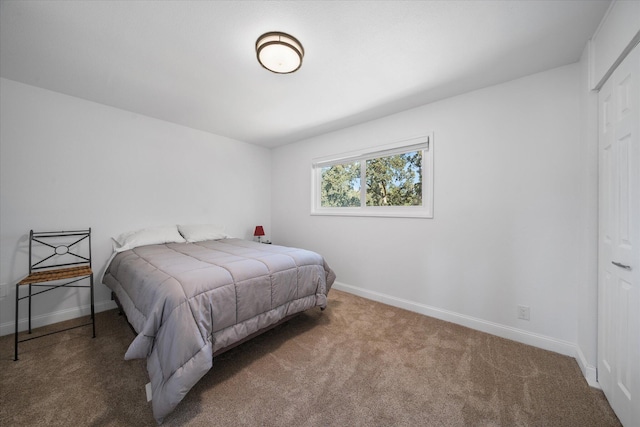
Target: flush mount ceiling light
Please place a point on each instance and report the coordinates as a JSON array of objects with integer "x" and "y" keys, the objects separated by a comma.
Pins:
[{"x": 279, "y": 52}]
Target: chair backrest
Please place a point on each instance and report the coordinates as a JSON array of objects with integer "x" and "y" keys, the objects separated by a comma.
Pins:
[{"x": 51, "y": 249}]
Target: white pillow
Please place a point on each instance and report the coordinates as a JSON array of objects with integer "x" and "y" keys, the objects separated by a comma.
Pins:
[
  {"x": 148, "y": 236},
  {"x": 200, "y": 232}
]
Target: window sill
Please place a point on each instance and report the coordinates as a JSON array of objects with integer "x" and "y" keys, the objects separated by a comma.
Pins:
[{"x": 377, "y": 213}]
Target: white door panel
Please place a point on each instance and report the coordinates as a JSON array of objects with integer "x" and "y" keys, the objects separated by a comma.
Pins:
[{"x": 619, "y": 240}]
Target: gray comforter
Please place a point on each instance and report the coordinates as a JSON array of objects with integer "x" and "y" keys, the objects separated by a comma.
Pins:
[{"x": 188, "y": 300}]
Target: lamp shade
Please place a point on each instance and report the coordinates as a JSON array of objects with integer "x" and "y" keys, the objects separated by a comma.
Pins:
[
  {"x": 279, "y": 52},
  {"x": 259, "y": 231}
]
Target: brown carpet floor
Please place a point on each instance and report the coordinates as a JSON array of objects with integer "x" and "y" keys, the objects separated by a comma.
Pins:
[{"x": 358, "y": 363}]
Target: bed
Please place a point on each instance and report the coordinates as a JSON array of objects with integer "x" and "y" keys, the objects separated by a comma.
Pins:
[{"x": 190, "y": 300}]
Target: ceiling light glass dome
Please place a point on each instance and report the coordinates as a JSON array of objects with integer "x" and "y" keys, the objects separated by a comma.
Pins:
[{"x": 279, "y": 52}]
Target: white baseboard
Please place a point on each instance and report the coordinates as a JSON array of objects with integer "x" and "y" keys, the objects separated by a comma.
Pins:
[
  {"x": 589, "y": 371},
  {"x": 55, "y": 317},
  {"x": 537, "y": 340}
]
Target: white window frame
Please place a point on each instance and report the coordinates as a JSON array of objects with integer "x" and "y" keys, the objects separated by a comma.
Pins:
[{"x": 424, "y": 143}]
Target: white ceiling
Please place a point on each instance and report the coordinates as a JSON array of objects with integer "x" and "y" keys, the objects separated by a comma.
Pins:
[{"x": 193, "y": 62}]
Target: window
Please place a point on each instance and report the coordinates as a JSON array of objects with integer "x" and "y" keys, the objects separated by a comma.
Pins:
[{"x": 394, "y": 180}]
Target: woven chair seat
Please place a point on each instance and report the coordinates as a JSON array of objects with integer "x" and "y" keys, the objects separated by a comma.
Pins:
[{"x": 57, "y": 274}]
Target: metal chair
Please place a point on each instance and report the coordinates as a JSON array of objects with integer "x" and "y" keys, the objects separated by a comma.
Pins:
[{"x": 57, "y": 259}]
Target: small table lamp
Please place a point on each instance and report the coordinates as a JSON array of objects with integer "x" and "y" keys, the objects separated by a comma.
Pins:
[{"x": 259, "y": 231}]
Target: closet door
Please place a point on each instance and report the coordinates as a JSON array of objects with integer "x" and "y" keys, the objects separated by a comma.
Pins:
[{"x": 619, "y": 240}]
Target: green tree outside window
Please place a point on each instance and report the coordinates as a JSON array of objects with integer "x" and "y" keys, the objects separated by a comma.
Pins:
[
  {"x": 395, "y": 180},
  {"x": 390, "y": 181},
  {"x": 341, "y": 186}
]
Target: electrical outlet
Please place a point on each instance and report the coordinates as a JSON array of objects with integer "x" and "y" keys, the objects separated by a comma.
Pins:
[
  {"x": 523, "y": 312},
  {"x": 4, "y": 290}
]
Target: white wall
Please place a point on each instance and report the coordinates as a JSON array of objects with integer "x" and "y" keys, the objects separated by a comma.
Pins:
[
  {"x": 509, "y": 211},
  {"x": 68, "y": 163}
]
